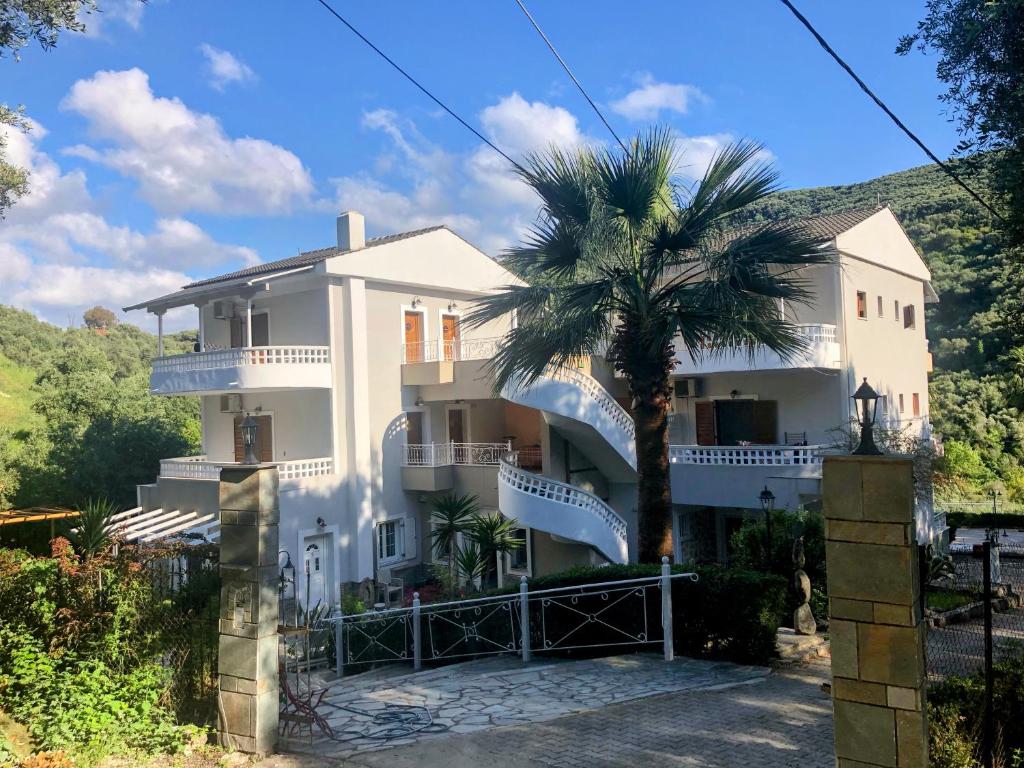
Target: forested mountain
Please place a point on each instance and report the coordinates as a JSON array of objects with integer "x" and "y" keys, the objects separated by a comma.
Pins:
[
  {"x": 976, "y": 389},
  {"x": 76, "y": 417}
]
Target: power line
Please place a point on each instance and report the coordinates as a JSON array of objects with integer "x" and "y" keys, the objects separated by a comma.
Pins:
[
  {"x": 417, "y": 83},
  {"x": 881, "y": 104},
  {"x": 568, "y": 71}
]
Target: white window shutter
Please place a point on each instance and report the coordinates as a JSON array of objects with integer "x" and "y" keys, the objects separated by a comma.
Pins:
[{"x": 409, "y": 543}]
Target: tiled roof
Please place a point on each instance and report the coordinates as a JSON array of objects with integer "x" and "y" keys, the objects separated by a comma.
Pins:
[
  {"x": 307, "y": 258},
  {"x": 828, "y": 226}
]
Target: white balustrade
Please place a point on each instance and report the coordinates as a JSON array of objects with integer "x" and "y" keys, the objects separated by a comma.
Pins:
[
  {"x": 443, "y": 454},
  {"x": 199, "y": 468},
  {"x": 241, "y": 356},
  {"x": 454, "y": 350},
  {"x": 592, "y": 387},
  {"x": 743, "y": 455},
  {"x": 558, "y": 493}
]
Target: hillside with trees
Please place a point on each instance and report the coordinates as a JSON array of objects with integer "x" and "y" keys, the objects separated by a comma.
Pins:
[
  {"x": 76, "y": 417},
  {"x": 977, "y": 389}
]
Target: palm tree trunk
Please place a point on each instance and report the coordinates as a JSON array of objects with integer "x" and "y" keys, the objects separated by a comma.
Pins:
[{"x": 654, "y": 490}]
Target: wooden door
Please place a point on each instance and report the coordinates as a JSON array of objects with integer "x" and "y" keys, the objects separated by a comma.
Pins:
[
  {"x": 457, "y": 426},
  {"x": 450, "y": 334},
  {"x": 264, "y": 438},
  {"x": 260, "y": 330},
  {"x": 414, "y": 428},
  {"x": 765, "y": 422},
  {"x": 237, "y": 332},
  {"x": 413, "y": 337},
  {"x": 704, "y": 417}
]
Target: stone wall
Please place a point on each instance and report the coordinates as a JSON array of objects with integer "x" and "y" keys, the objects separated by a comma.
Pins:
[{"x": 877, "y": 634}]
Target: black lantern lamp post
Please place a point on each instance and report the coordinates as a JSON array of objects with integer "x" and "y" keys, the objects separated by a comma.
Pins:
[
  {"x": 867, "y": 399},
  {"x": 250, "y": 430},
  {"x": 768, "y": 506}
]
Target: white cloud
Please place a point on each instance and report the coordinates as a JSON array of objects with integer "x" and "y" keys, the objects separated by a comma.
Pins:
[
  {"x": 183, "y": 160},
  {"x": 225, "y": 68},
  {"x": 126, "y": 12},
  {"x": 519, "y": 126},
  {"x": 651, "y": 98},
  {"x": 59, "y": 255},
  {"x": 697, "y": 152}
]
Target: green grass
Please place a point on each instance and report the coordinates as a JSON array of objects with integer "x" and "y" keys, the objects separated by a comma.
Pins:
[
  {"x": 16, "y": 395},
  {"x": 941, "y": 600}
]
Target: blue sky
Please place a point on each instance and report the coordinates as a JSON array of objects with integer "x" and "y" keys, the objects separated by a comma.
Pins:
[{"x": 178, "y": 140}]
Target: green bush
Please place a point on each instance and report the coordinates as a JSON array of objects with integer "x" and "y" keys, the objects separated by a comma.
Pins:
[
  {"x": 749, "y": 551},
  {"x": 80, "y": 641}
]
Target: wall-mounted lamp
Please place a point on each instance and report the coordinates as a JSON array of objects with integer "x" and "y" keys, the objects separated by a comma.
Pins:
[
  {"x": 416, "y": 301},
  {"x": 321, "y": 523},
  {"x": 734, "y": 394},
  {"x": 419, "y": 401},
  {"x": 452, "y": 306}
]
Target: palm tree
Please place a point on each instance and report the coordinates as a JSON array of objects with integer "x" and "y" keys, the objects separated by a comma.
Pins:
[
  {"x": 623, "y": 255},
  {"x": 495, "y": 535},
  {"x": 450, "y": 518}
]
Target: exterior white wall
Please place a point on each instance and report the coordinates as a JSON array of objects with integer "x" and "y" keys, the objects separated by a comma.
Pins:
[
  {"x": 893, "y": 358},
  {"x": 296, "y": 316},
  {"x": 301, "y": 424}
]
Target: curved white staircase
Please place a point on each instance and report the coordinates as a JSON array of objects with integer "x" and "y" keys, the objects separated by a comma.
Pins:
[
  {"x": 573, "y": 395},
  {"x": 561, "y": 509}
]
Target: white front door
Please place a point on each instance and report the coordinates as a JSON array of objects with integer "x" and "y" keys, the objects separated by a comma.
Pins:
[{"x": 315, "y": 571}]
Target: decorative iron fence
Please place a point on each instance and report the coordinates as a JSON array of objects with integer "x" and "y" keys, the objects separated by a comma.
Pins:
[{"x": 629, "y": 613}]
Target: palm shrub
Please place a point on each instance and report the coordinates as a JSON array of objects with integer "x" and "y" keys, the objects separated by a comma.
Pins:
[
  {"x": 450, "y": 518},
  {"x": 495, "y": 535},
  {"x": 91, "y": 535},
  {"x": 624, "y": 255}
]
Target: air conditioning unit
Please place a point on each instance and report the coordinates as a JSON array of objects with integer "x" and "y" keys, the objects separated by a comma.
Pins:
[
  {"x": 230, "y": 403},
  {"x": 687, "y": 388},
  {"x": 223, "y": 310}
]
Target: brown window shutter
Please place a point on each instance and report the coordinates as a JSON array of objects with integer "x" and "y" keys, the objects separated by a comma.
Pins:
[
  {"x": 266, "y": 438},
  {"x": 705, "y": 421},
  {"x": 239, "y": 447},
  {"x": 766, "y": 420}
]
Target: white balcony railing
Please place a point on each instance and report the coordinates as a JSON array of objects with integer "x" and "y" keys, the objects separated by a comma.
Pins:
[
  {"x": 453, "y": 350},
  {"x": 199, "y": 468},
  {"x": 241, "y": 356},
  {"x": 444, "y": 454},
  {"x": 822, "y": 350},
  {"x": 743, "y": 455}
]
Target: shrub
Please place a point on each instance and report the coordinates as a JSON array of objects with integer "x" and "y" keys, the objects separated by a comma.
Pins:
[{"x": 748, "y": 544}]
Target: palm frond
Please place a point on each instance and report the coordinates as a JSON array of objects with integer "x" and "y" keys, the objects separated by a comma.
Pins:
[
  {"x": 451, "y": 516},
  {"x": 553, "y": 249},
  {"x": 632, "y": 184},
  {"x": 563, "y": 180},
  {"x": 91, "y": 535}
]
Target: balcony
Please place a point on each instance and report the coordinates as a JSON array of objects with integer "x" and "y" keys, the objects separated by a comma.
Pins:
[
  {"x": 733, "y": 476},
  {"x": 242, "y": 369},
  {"x": 199, "y": 468},
  {"x": 440, "y": 466},
  {"x": 434, "y": 362},
  {"x": 822, "y": 351}
]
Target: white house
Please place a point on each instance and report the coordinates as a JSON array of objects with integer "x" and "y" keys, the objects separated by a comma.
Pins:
[{"x": 372, "y": 399}]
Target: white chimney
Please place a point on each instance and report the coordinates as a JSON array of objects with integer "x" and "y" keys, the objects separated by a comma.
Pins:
[{"x": 351, "y": 231}]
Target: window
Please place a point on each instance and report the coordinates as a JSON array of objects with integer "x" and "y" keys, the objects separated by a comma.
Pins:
[
  {"x": 915, "y": 400},
  {"x": 901, "y": 402},
  {"x": 387, "y": 541},
  {"x": 862, "y": 305},
  {"x": 881, "y": 310},
  {"x": 896, "y": 314},
  {"x": 908, "y": 316},
  {"x": 519, "y": 558}
]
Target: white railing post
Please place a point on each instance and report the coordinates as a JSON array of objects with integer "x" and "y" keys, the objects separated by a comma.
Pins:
[
  {"x": 339, "y": 648},
  {"x": 666, "y": 607},
  {"x": 417, "y": 648},
  {"x": 524, "y": 618}
]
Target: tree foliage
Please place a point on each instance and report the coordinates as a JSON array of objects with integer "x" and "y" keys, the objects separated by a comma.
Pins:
[
  {"x": 99, "y": 317},
  {"x": 96, "y": 431},
  {"x": 980, "y": 44},
  {"x": 13, "y": 179},
  {"x": 22, "y": 21}
]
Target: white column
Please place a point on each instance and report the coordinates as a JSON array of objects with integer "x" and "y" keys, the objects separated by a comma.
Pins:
[
  {"x": 248, "y": 323},
  {"x": 159, "y": 334},
  {"x": 202, "y": 329}
]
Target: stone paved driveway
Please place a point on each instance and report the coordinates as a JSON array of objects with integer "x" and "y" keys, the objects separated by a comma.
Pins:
[
  {"x": 724, "y": 716},
  {"x": 466, "y": 698}
]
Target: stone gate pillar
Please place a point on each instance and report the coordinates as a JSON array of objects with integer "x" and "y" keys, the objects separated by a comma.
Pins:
[
  {"x": 247, "y": 660},
  {"x": 877, "y": 633}
]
